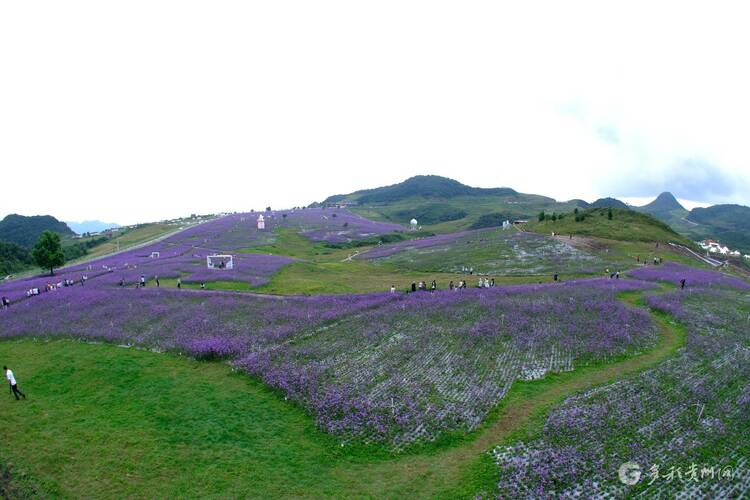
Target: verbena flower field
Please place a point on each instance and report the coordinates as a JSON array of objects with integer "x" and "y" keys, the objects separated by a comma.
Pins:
[
  {"x": 690, "y": 415},
  {"x": 380, "y": 367},
  {"x": 184, "y": 254}
]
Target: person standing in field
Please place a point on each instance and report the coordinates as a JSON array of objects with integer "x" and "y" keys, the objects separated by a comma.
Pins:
[
  {"x": 393, "y": 288},
  {"x": 143, "y": 281},
  {"x": 179, "y": 282},
  {"x": 13, "y": 384},
  {"x": 413, "y": 286},
  {"x": 156, "y": 278},
  {"x": 682, "y": 283}
]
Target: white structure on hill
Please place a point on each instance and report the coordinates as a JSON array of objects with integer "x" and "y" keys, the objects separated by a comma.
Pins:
[
  {"x": 506, "y": 224},
  {"x": 261, "y": 222},
  {"x": 712, "y": 246},
  {"x": 155, "y": 255},
  {"x": 219, "y": 262},
  {"x": 413, "y": 224}
]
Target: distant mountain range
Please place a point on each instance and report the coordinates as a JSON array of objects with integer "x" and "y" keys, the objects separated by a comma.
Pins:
[
  {"x": 446, "y": 204},
  {"x": 91, "y": 226}
]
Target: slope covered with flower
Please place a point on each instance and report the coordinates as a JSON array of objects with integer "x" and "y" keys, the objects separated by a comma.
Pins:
[
  {"x": 685, "y": 422},
  {"x": 380, "y": 367}
]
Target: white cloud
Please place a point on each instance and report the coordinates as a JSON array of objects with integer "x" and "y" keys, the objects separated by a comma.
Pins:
[{"x": 144, "y": 110}]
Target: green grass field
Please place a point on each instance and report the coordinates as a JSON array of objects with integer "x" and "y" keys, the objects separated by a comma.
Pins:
[{"x": 106, "y": 421}]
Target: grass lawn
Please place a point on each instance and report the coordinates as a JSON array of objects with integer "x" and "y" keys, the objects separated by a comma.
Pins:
[{"x": 105, "y": 421}]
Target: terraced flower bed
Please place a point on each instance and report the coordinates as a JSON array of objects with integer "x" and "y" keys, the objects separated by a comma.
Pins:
[{"x": 684, "y": 423}]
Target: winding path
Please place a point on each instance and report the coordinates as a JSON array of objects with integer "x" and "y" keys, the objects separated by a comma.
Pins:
[{"x": 453, "y": 472}]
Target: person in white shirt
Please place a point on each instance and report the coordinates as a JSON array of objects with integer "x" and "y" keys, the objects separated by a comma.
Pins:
[
  {"x": 393, "y": 289},
  {"x": 13, "y": 385}
]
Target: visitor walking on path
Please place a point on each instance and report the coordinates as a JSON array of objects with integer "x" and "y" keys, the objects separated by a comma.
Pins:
[
  {"x": 156, "y": 278},
  {"x": 13, "y": 385},
  {"x": 143, "y": 281},
  {"x": 5, "y": 303},
  {"x": 179, "y": 282}
]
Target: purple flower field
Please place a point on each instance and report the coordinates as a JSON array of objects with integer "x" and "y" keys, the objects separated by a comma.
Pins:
[
  {"x": 184, "y": 254},
  {"x": 671, "y": 272},
  {"x": 430, "y": 241},
  {"x": 691, "y": 411},
  {"x": 376, "y": 368}
]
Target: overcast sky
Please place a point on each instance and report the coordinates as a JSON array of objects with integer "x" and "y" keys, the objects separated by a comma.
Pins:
[{"x": 142, "y": 110}]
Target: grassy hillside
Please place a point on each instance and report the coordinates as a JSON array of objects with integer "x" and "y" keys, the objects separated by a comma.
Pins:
[
  {"x": 24, "y": 231},
  {"x": 625, "y": 225},
  {"x": 728, "y": 223}
]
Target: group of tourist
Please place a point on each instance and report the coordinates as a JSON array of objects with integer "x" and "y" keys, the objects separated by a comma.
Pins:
[
  {"x": 423, "y": 286},
  {"x": 49, "y": 287}
]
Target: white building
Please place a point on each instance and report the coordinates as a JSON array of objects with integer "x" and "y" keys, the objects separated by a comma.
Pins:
[
  {"x": 261, "y": 222},
  {"x": 413, "y": 224},
  {"x": 219, "y": 262}
]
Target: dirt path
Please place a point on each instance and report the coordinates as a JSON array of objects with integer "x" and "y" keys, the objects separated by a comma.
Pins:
[{"x": 438, "y": 474}]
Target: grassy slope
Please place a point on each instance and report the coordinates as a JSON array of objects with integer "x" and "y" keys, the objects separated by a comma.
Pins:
[
  {"x": 324, "y": 270},
  {"x": 514, "y": 206},
  {"x": 103, "y": 421},
  {"x": 626, "y": 225}
]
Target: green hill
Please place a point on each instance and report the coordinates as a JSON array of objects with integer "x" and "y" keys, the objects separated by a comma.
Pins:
[
  {"x": 625, "y": 225},
  {"x": 727, "y": 223},
  {"x": 425, "y": 186},
  {"x": 24, "y": 231},
  {"x": 444, "y": 204},
  {"x": 13, "y": 258}
]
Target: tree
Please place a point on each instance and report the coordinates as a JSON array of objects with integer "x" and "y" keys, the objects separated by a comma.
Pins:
[
  {"x": 541, "y": 216},
  {"x": 48, "y": 253},
  {"x": 609, "y": 214},
  {"x": 268, "y": 209},
  {"x": 554, "y": 216},
  {"x": 575, "y": 211}
]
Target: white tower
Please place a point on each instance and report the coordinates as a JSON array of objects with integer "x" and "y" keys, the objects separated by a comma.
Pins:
[
  {"x": 261, "y": 222},
  {"x": 413, "y": 223}
]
